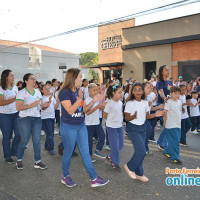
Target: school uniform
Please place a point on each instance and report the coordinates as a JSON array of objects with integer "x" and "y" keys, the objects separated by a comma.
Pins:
[
  {"x": 137, "y": 133},
  {"x": 114, "y": 128},
  {"x": 195, "y": 115},
  {"x": 93, "y": 125},
  {"x": 48, "y": 119},
  {"x": 185, "y": 121},
  {"x": 173, "y": 128},
  {"x": 9, "y": 123}
]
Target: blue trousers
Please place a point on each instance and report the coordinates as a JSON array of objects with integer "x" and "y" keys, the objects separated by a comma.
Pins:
[
  {"x": 101, "y": 137},
  {"x": 116, "y": 138},
  {"x": 72, "y": 134},
  {"x": 28, "y": 126},
  {"x": 185, "y": 127},
  {"x": 48, "y": 125},
  {"x": 8, "y": 124},
  {"x": 173, "y": 138},
  {"x": 162, "y": 140},
  {"x": 137, "y": 134},
  {"x": 148, "y": 134},
  {"x": 195, "y": 123}
]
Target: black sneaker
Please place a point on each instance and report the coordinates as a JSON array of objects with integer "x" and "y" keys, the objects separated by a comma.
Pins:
[
  {"x": 178, "y": 162},
  {"x": 40, "y": 165},
  {"x": 19, "y": 165},
  {"x": 10, "y": 161}
]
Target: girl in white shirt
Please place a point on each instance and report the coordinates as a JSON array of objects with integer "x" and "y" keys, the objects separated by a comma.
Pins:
[
  {"x": 136, "y": 113},
  {"x": 9, "y": 115},
  {"x": 48, "y": 118},
  {"x": 29, "y": 102},
  {"x": 114, "y": 118}
]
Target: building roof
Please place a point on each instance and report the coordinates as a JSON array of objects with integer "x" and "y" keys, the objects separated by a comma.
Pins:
[{"x": 25, "y": 45}]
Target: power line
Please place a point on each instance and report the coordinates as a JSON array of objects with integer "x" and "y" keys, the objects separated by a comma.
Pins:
[{"x": 142, "y": 13}]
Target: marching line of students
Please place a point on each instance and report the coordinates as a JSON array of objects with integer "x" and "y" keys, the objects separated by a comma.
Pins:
[{"x": 27, "y": 112}]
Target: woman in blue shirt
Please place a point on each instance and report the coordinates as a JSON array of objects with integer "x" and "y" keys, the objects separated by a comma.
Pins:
[
  {"x": 163, "y": 88},
  {"x": 73, "y": 129}
]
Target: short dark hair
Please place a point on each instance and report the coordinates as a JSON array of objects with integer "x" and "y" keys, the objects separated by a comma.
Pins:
[
  {"x": 182, "y": 85},
  {"x": 54, "y": 80},
  {"x": 49, "y": 82},
  {"x": 194, "y": 92},
  {"x": 175, "y": 89}
]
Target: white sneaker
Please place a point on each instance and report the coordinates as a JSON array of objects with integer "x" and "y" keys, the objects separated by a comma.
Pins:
[
  {"x": 42, "y": 132},
  {"x": 56, "y": 132},
  {"x": 194, "y": 132}
]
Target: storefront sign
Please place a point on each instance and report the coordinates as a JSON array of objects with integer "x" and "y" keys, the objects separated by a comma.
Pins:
[{"x": 111, "y": 42}]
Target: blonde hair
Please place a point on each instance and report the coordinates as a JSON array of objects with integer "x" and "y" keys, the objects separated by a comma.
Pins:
[
  {"x": 91, "y": 85},
  {"x": 70, "y": 77}
]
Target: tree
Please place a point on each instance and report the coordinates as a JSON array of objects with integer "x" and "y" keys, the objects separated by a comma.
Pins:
[
  {"x": 89, "y": 58},
  {"x": 92, "y": 74}
]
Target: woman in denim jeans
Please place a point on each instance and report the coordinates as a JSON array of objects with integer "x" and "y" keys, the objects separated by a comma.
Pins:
[
  {"x": 28, "y": 102},
  {"x": 73, "y": 129},
  {"x": 9, "y": 115}
]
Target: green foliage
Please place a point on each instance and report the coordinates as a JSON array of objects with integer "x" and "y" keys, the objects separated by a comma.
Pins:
[
  {"x": 89, "y": 58},
  {"x": 92, "y": 74}
]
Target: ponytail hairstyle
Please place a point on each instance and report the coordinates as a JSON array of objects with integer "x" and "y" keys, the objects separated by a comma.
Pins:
[
  {"x": 132, "y": 95},
  {"x": 25, "y": 78},
  {"x": 160, "y": 75},
  {"x": 4, "y": 76},
  {"x": 111, "y": 89}
]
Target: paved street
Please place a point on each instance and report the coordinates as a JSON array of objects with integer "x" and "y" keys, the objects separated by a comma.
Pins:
[{"x": 38, "y": 184}]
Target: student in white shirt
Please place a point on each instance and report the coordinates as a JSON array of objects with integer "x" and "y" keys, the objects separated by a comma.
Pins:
[
  {"x": 92, "y": 121},
  {"x": 48, "y": 118},
  {"x": 185, "y": 119},
  {"x": 195, "y": 113},
  {"x": 29, "y": 102},
  {"x": 136, "y": 113},
  {"x": 9, "y": 115},
  {"x": 113, "y": 115},
  {"x": 84, "y": 88},
  {"x": 172, "y": 119},
  {"x": 54, "y": 86}
]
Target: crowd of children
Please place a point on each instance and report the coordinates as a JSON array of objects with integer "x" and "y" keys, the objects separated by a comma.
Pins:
[{"x": 79, "y": 107}]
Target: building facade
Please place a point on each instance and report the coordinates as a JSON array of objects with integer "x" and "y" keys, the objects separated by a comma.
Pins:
[
  {"x": 42, "y": 61},
  {"x": 127, "y": 51}
]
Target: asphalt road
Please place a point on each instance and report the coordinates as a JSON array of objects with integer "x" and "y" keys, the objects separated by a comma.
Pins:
[{"x": 36, "y": 184}]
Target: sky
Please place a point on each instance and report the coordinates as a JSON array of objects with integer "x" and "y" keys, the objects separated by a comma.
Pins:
[{"x": 26, "y": 20}]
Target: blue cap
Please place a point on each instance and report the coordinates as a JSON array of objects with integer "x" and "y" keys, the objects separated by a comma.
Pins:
[{"x": 180, "y": 77}]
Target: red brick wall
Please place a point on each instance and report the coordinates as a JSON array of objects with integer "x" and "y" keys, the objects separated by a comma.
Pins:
[
  {"x": 183, "y": 51},
  {"x": 186, "y": 50}
]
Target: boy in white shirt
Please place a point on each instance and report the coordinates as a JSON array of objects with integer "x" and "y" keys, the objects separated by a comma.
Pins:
[
  {"x": 185, "y": 119},
  {"x": 92, "y": 121},
  {"x": 172, "y": 119},
  {"x": 195, "y": 113}
]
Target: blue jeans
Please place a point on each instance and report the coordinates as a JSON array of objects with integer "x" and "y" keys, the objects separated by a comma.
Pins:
[
  {"x": 100, "y": 134},
  {"x": 116, "y": 138},
  {"x": 48, "y": 125},
  {"x": 173, "y": 138},
  {"x": 137, "y": 134},
  {"x": 8, "y": 124},
  {"x": 72, "y": 134},
  {"x": 28, "y": 126},
  {"x": 185, "y": 127}
]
